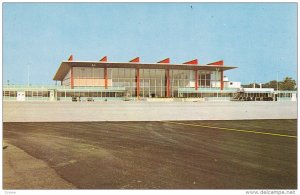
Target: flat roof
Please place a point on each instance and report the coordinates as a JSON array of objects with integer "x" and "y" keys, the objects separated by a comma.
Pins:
[
  {"x": 66, "y": 65},
  {"x": 258, "y": 90}
]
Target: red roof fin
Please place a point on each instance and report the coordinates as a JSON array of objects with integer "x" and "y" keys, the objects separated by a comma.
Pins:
[
  {"x": 137, "y": 59},
  {"x": 221, "y": 62},
  {"x": 167, "y": 60},
  {"x": 70, "y": 58},
  {"x": 104, "y": 59},
  {"x": 195, "y": 61}
]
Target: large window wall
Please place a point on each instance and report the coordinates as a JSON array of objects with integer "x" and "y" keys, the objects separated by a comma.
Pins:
[
  {"x": 152, "y": 83},
  {"x": 86, "y": 95},
  {"x": 181, "y": 79},
  {"x": 88, "y": 77},
  {"x": 67, "y": 80},
  {"x": 123, "y": 78},
  {"x": 9, "y": 95},
  {"x": 208, "y": 95},
  {"x": 204, "y": 79},
  {"x": 209, "y": 79},
  {"x": 30, "y": 94}
]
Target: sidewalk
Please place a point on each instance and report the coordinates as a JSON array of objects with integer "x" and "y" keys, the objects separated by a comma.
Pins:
[{"x": 22, "y": 171}]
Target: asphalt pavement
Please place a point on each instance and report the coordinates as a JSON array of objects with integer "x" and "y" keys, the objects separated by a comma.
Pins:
[{"x": 164, "y": 155}]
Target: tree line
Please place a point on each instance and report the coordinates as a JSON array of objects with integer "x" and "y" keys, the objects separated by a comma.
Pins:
[{"x": 287, "y": 84}]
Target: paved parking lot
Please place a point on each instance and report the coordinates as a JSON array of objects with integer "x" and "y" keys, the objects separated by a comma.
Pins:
[{"x": 248, "y": 154}]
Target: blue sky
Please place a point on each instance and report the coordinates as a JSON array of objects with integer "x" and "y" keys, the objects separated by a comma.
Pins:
[{"x": 259, "y": 38}]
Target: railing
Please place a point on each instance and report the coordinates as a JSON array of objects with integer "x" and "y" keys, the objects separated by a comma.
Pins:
[
  {"x": 39, "y": 87},
  {"x": 59, "y": 88},
  {"x": 285, "y": 91},
  {"x": 203, "y": 90}
]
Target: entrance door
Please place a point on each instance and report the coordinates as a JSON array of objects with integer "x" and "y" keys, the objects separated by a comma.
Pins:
[{"x": 20, "y": 96}]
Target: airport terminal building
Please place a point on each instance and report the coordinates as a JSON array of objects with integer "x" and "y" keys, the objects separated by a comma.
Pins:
[{"x": 105, "y": 81}]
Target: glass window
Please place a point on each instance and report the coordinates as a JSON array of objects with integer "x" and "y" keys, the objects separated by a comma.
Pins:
[
  {"x": 28, "y": 93},
  {"x": 12, "y": 93},
  {"x": 61, "y": 94},
  {"x": 84, "y": 94},
  {"x": 152, "y": 83},
  {"x": 46, "y": 93}
]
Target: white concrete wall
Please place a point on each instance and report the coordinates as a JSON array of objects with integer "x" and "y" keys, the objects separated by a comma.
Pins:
[{"x": 232, "y": 84}]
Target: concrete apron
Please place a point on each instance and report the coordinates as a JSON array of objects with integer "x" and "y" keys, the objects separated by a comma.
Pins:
[
  {"x": 22, "y": 171},
  {"x": 145, "y": 111}
]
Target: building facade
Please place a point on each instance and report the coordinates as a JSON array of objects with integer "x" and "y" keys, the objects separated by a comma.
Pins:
[
  {"x": 105, "y": 81},
  {"x": 143, "y": 80}
]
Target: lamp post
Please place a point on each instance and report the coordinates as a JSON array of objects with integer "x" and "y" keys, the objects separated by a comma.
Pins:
[
  {"x": 277, "y": 82},
  {"x": 28, "y": 74}
]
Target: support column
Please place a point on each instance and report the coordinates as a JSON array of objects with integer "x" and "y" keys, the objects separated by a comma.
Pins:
[
  {"x": 167, "y": 82},
  {"x": 222, "y": 81},
  {"x": 105, "y": 77},
  {"x": 219, "y": 63},
  {"x": 137, "y": 80},
  {"x": 196, "y": 79},
  {"x": 72, "y": 78},
  {"x": 71, "y": 73}
]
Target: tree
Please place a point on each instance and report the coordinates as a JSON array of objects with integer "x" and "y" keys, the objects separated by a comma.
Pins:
[
  {"x": 250, "y": 85},
  {"x": 271, "y": 84},
  {"x": 287, "y": 84}
]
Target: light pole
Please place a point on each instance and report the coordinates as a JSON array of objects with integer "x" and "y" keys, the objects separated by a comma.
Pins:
[
  {"x": 277, "y": 82},
  {"x": 28, "y": 74}
]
